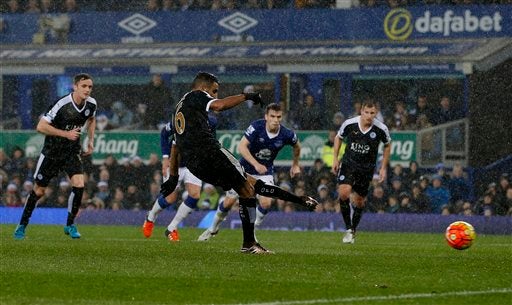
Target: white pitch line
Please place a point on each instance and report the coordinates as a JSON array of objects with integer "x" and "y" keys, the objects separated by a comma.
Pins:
[{"x": 383, "y": 298}]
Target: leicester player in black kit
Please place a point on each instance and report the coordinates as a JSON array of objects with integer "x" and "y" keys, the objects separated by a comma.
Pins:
[
  {"x": 362, "y": 135},
  {"x": 206, "y": 159},
  {"x": 62, "y": 150}
]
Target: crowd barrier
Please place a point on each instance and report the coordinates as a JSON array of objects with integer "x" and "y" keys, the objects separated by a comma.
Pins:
[{"x": 297, "y": 221}]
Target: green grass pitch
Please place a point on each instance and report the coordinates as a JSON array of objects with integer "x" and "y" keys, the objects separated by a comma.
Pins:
[{"x": 116, "y": 265}]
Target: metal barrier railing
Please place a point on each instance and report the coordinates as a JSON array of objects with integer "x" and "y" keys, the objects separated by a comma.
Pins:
[{"x": 446, "y": 143}]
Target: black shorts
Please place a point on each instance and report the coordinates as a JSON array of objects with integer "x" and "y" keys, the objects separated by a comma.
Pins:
[
  {"x": 218, "y": 167},
  {"x": 48, "y": 168},
  {"x": 358, "y": 178}
]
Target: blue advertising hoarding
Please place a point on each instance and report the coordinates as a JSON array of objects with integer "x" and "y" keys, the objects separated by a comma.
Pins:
[
  {"x": 302, "y": 51},
  {"x": 394, "y": 25}
]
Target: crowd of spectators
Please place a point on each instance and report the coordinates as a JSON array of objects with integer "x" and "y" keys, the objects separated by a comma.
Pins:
[
  {"x": 131, "y": 184},
  {"x": 73, "y": 6}
]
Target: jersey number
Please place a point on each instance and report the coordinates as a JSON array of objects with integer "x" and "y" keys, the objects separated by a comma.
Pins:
[{"x": 179, "y": 122}]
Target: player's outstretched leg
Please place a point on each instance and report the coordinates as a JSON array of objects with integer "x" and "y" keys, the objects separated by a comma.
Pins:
[{"x": 268, "y": 190}]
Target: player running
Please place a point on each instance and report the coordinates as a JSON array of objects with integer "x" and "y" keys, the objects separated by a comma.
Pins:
[{"x": 363, "y": 135}]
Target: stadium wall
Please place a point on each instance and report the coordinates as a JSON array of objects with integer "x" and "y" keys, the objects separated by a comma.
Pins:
[{"x": 297, "y": 221}]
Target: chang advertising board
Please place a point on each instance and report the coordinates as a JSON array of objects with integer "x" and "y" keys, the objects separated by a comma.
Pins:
[
  {"x": 143, "y": 144},
  {"x": 401, "y": 24}
]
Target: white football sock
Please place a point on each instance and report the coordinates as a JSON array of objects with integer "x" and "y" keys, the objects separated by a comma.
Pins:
[
  {"x": 182, "y": 213},
  {"x": 217, "y": 220},
  {"x": 155, "y": 210},
  {"x": 259, "y": 218}
]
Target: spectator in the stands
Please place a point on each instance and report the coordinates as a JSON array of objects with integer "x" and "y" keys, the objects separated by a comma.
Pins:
[
  {"x": 152, "y": 6},
  {"x": 209, "y": 198},
  {"x": 445, "y": 112},
  {"x": 103, "y": 192},
  {"x": 411, "y": 174},
  {"x": 467, "y": 209},
  {"x": 442, "y": 171},
  {"x": 377, "y": 200},
  {"x": 406, "y": 204},
  {"x": 315, "y": 173},
  {"x": 486, "y": 205},
  {"x": 422, "y": 108},
  {"x": 48, "y": 7},
  {"x": 508, "y": 201},
  {"x": 458, "y": 185},
  {"x": 102, "y": 122},
  {"x": 32, "y": 7},
  {"x": 12, "y": 196},
  {"x": 154, "y": 164},
  {"x": 122, "y": 116},
  {"x": 337, "y": 120},
  {"x": 159, "y": 100},
  {"x": 140, "y": 117},
  {"x": 397, "y": 172},
  {"x": 168, "y": 5},
  {"x": 13, "y": 7},
  {"x": 419, "y": 200},
  {"x": 400, "y": 117},
  {"x": 252, "y": 4},
  {"x": 439, "y": 195},
  {"x": 392, "y": 204},
  {"x": 502, "y": 190},
  {"x": 397, "y": 187},
  {"x": 4, "y": 159},
  {"x": 27, "y": 187},
  {"x": 309, "y": 116},
  {"x": 118, "y": 202},
  {"x": 70, "y": 6},
  {"x": 16, "y": 163},
  {"x": 356, "y": 108},
  {"x": 327, "y": 149}
]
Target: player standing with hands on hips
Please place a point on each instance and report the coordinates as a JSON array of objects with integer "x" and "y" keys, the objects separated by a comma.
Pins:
[
  {"x": 362, "y": 135},
  {"x": 207, "y": 160},
  {"x": 62, "y": 150}
]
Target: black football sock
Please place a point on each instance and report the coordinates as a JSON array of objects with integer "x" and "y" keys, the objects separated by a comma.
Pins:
[
  {"x": 30, "y": 205},
  {"x": 247, "y": 212},
  {"x": 273, "y": 191},
  {"x": 74, "y": 200},
  {"x": 358, "y": 213},
  {"x": 345, "y": 212}
]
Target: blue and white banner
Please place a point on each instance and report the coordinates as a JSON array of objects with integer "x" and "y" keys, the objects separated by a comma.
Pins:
[
  {"x": 302, "y": 51},
  {"x": 397, "y": 25}
]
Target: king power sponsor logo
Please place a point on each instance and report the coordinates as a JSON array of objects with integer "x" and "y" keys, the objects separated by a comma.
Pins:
[{"x": 399, "y": 24}]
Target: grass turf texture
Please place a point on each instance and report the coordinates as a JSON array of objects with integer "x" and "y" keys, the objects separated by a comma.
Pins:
[{"x": 117, "y": 265}]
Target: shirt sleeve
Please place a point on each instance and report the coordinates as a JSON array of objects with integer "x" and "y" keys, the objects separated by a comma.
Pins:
[{"x": 165, "y": 139}]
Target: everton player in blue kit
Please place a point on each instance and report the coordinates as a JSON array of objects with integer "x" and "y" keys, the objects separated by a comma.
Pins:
[
  {"x": 192, "y": 186},
  {"x": 203, "y": 155},
  {"x": 62, "y": 151},
  {"x": 362, "y": 135},
  {"x": 259, "y": 147}
]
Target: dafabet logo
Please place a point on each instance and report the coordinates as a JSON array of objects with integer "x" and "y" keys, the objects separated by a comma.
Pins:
[{"x": 399, "y": 23}]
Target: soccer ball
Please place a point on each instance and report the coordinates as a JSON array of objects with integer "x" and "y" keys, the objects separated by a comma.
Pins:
[{"x": 460, "y": 235}]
